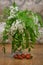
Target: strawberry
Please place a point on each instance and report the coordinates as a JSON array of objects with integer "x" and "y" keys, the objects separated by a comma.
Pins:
[
  {"x": 19, "y": 57},
  {"x": 28, "y": 56},
  {"x": 23, "y": 55}
]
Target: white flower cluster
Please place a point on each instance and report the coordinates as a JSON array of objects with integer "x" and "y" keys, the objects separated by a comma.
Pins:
[
  {"x": 17, "y": 25},
  {"x": 13, "y": 10}
]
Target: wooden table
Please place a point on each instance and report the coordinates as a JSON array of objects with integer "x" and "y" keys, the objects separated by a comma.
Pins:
[{"x": 37, "y": 59}]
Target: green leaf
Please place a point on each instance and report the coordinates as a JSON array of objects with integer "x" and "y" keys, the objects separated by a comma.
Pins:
[{"x": 40, "y": 20}]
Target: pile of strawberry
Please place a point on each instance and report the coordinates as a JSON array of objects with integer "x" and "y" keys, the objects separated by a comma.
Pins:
[{"x": 22, "y": 56}]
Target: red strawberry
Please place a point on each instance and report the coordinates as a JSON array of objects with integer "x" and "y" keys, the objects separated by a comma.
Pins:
[
  {"x": 19, "y": 57},
  {"x": 23, "y": 55},
  {"x": 28, "y": 56}
]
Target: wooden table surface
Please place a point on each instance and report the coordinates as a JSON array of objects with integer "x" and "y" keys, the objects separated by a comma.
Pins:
[{"x": 37, "y": 59}]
